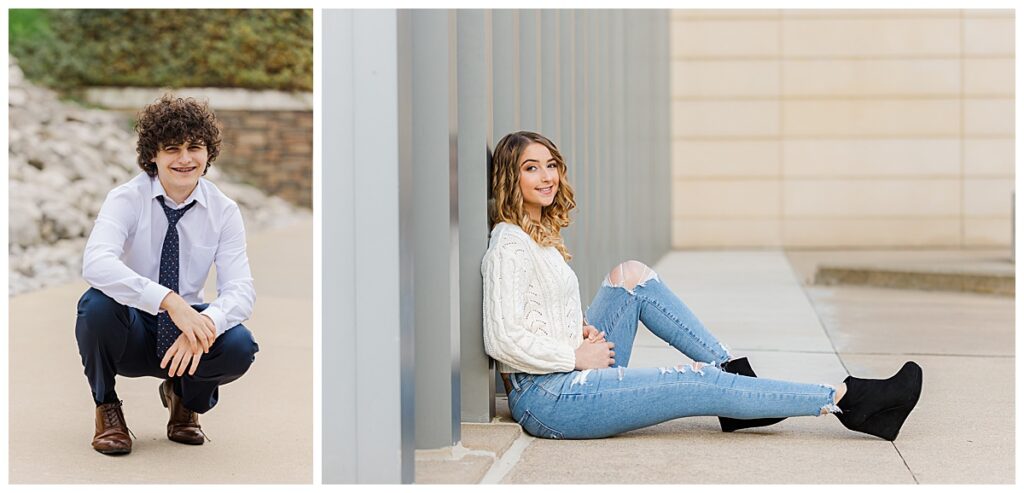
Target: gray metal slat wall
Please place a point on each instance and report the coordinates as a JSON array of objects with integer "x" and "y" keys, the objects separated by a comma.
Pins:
[
  {"x": 367, "y": 385},
  {"x": 459, "y": 81},
  {"x": 475, "y": 117}
]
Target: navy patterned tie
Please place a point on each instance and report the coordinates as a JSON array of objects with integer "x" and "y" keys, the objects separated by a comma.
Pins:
[{"x": 166, "y": 331}]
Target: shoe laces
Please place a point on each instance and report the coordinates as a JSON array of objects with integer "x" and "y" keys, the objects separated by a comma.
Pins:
[
  {"x": 193, "y": 419},
  {"x": 112, "y": 417}
]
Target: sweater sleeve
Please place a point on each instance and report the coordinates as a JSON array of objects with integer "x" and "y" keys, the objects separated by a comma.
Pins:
[{"x": 506, "y": 337}]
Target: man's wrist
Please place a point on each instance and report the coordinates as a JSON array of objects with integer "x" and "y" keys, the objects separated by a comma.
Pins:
[{"x": 172, "y": 302}]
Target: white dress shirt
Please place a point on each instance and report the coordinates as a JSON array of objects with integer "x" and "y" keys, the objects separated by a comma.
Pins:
[{"x": 122, "y": 256}]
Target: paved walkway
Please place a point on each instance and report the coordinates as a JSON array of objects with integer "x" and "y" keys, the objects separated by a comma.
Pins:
[
  {"x": 961, "y": 432},
  {"x": 256, "y": 437}
]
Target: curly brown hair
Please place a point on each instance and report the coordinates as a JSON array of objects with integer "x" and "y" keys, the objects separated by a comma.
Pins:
[
  {"x": 508, "y": 197},
  {"x": 172, "y": 120}
]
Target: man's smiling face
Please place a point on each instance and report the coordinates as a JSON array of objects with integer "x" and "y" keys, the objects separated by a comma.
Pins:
[{"x": 179, "y": 166}]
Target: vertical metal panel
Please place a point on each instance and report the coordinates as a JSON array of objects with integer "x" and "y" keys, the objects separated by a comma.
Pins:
[
  {"x": 477, "y": 384},
  {"x": 600, "y": 206},
  {"x": 505, "y": 64},
  {"x": 663, "y": 118},
  {"x": 646, "y": 126},
  {"x": 582, "y": 154},
  {"x": 368, "y": 426},
  {"x": 551, "y": 80},
  {"x": 595, "y": 183},
  {"x": 631, "y": 112},
  {"x": 660, "y": 62},
  {"x": 623, "y": 187},
  {"x": 339, "y": 377},
  {"x": 529, "y": 70},
  {"x": 454, "y": 283},
  {"x": 612, "y": 200},
  {"x": 567, "y": 116},
  {"x": 407, "y": 244},
  {"x": 437, "y": 386},
  {"x": 643, "y": 164},
  {"x": 505, "y": 51},
  {"x": 653, "y": 128}
]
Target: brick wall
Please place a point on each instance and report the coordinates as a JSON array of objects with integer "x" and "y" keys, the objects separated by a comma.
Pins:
[{"x": 272, "y": 150}]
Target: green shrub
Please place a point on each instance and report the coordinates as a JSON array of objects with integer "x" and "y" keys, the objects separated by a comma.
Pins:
[{"x": 257, "y": 49}]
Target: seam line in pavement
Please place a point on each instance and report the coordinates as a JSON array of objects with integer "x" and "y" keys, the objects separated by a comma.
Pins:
[
  {"x": 502, "y": 466},
  {"x": 817, "y": 316},
  {"x": 839, "y": 356},
  {"x": 912, "y": 475}
]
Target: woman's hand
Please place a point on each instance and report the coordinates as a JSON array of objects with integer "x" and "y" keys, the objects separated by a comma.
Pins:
[
  {"x": 591, "y": 334},
  {"x": 595, "y": 355}
]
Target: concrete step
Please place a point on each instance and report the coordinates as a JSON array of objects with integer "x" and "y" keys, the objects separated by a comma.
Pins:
[
  {"x": 927, "y": 278},
  {"x": 468, "y": 461},
  {"x": 970, "y": 270}
]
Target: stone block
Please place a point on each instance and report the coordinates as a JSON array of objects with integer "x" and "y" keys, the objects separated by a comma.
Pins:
[
  {"x": 725, "y": 118},
  {"x": 742, "y": 198}
]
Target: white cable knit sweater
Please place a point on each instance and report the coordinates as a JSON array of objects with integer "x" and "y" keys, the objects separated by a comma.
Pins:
[{"x": 533, "y": 321}]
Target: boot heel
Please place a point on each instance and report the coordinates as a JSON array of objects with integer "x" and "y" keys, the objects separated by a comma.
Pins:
[
  {"x": 887, "y": 424},
  {"x": 163, "y": 398}
]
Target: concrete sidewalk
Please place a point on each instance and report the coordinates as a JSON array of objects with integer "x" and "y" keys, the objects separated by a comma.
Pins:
[
  {"x": 961, "y": 432},
  {"x": 257, "y": 436}
]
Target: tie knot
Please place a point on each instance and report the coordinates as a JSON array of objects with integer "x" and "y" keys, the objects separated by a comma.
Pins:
[{"x": 173, "y": 215}]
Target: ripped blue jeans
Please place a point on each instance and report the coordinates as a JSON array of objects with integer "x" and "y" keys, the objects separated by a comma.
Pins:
[{"x": 606, "y": 402}]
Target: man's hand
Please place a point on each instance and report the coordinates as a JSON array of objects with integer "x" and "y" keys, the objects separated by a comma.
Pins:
[
  {"x": 199, "y": 330},
  {"x": 591, "y": 334},
  {"x": 595, "y": 355},
  {"x": 179, "y": 355}
]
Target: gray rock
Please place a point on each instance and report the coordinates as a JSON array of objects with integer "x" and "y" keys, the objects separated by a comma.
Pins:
[
  {"x": 23, "y": 224},
  {"x": 17, "y": 97}
]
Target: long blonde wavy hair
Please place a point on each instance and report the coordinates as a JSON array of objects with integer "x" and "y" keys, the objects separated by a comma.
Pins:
[{"x": 508, "y": 196}]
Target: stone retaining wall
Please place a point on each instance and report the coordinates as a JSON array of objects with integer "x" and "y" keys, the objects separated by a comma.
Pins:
[{"x": 271, "y": 150}]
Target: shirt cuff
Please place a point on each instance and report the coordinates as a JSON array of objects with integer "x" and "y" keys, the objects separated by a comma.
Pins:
[
  {"x": 152, "y": 295},
  {"x": 219, "y": 320}
]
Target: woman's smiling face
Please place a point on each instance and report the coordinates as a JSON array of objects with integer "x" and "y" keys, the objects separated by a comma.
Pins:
[{"x": 538, "y": 178}]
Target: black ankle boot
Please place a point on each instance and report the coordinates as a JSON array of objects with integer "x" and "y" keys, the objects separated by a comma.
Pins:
[
  {"x": 742, "y": 367},
  {"x": 879, "y": 407}
]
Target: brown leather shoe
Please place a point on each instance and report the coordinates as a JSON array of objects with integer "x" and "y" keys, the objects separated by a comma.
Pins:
[
  {"x": 111, "y": 430},
  {"x": 183, "y": 425}
]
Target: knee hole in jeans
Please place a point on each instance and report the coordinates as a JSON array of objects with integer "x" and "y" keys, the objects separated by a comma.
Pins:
[{"x": 629, "y": 274}]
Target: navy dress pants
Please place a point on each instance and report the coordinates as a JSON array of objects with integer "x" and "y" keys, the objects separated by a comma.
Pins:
[{"x": 114, "y": 339}]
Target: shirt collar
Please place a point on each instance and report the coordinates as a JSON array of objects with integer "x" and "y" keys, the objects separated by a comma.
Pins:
[{"x": 197, "y": 193}]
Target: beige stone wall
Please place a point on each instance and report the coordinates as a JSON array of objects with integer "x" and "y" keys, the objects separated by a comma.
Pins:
[{"x": 865, "y": 128}]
